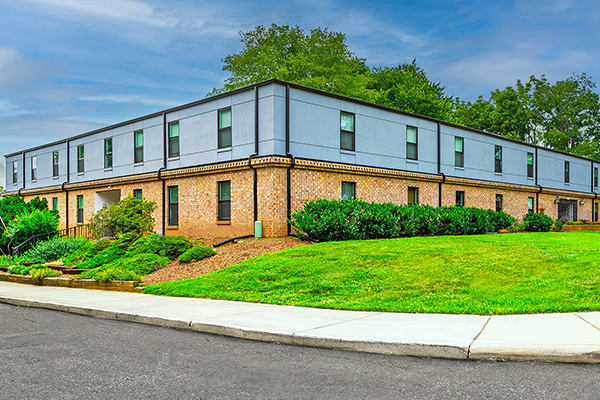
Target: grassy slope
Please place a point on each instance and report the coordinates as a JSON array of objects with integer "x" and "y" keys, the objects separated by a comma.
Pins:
[{"x": 483, "y": 274}]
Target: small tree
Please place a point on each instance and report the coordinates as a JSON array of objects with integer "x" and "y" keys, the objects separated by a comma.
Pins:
[{"x": 128, "y": 215}]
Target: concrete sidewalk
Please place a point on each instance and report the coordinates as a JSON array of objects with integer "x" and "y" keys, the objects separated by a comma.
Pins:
[{"x": 573, "y": 337}]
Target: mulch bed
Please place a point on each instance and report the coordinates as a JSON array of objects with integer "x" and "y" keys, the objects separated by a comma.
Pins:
[{"x": 229, "y": 254}]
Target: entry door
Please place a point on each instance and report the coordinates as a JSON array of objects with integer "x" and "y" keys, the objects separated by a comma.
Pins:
[{"x": 567, "y": 210}]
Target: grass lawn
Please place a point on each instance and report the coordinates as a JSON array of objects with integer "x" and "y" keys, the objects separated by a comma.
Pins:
[{"x": 481, "y": 274}]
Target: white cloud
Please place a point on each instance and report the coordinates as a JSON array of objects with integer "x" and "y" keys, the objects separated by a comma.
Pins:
[
  {"x": 127, "y": 10},
  {"x": 9, "y": 108},
  {"x": 17, "y": 70},
  {"x": 123, "y": 98}
]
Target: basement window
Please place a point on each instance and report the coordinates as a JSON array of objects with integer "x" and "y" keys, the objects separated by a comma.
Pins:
[
  {"x": 80, "y": 209},
  {"x": 348, "y": 190},
  {"x": 460, "y": 199},
  {"x": 413, "y": 195},
  {"x": 173, "y": 205},
  {"x": 224, "y": 211}
]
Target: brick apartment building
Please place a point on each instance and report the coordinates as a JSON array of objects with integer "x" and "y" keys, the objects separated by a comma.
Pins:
[{"x": 217, "y": 165}]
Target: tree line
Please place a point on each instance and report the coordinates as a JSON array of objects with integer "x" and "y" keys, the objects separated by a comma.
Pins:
[{"x": 564, "y": 115}]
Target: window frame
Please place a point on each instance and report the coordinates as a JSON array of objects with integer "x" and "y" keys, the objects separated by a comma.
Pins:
[
  {"x": 530, "y": 205},
  {"x": 415, "y": 195},
  {"x": 80, "y": 209},
  {"x": 223, "y": 205},
  {"x": 567, "y": 172},
  {"x": 530, "y": 166},
  {"x": 460, "y": 194},
  {"x": 15, "y": 172},
  {"x": 411, "y": 145},
  {"x": 461, "y": 153},
  {"x": 173, "y": 207},
  {"x": 595, "y": 212},
  {"x": 345, "y": 186},
  {"x": 34, "y": 168},
  {"x": 135, "y": 193},
  {"x": 347, "y": 133},
  {"x": 138, "y": 151},
  {"x": 173, "y": 139},
  {"x": 595, "y": 177},
  {"x": 499, "y": 200},
  {"x": 497, "y": 159},
  {"x": 222, "y": 131},
  {"x": 80, "y": 159},
  {"x": 55, "y": 161},
  {"x": 55, "y": 203},
  {"x": 108, "y": 153}
]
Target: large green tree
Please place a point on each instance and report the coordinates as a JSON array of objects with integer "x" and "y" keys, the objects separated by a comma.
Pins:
[
  {"x": 320, "y": 60},
  {"x": 568, "y": 114},
  {"x": 564, "y": 116},
  {"x": 407, "y": 88}
]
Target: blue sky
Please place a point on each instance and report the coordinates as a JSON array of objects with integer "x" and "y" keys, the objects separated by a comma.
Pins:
[{"x": 69, "y": 66}]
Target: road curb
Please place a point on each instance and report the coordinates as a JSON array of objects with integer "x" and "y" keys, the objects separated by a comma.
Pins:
[
  {"x": 473, "y": 351},
  {"x": 378, "y": 347}
]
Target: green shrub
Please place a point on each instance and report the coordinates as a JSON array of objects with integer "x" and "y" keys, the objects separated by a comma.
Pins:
[
  {"x": 54, "y": 248},
  {"x": 105, "y": 256},
  {"x": 6, "y": 261},
  {"x": 32, "y": 223},
  {"x": 126, "y": 268},
  {"x": 326, "y": 220},
  {"x": 109, "y": 274},
  {"x": 558, "y": 225},
  {"x": 85, "y": 252},
  {"x": 141, "y": 264},
  {"x": 23, "y": 270},
  {"x": 12, "y": 206},
  {"x": 537, "y": 222},
  {"x": 38, "y": 274},
  {"x": 196, "y": 253},
  {"x": 128, "y": 215},
  {"x": 166, "y": 246}
]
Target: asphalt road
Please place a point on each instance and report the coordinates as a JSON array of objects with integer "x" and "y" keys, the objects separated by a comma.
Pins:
[{"x": 53, "y": 355}]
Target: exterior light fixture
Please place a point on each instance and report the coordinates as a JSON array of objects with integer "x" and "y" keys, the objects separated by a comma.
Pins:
[
  {"x": 582, "y": 202},
  {"x": 556, "y": 200}
]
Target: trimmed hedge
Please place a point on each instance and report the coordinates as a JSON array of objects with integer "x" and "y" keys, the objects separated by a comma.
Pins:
[{"x": 330, "y": 220}]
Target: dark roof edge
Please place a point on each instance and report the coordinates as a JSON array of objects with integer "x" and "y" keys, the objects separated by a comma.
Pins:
[
  {"x": 410, "y": 114},
  {"x": 153, "y": 115},
  {"x": 307, "y": 89}
]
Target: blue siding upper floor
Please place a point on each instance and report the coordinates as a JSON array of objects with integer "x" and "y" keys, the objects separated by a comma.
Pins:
[{"x": 314, "y": 128}]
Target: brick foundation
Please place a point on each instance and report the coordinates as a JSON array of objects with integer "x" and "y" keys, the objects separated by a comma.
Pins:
[{"x": 310, "y": 180}]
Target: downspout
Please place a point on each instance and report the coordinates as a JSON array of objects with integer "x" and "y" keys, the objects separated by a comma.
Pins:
[
  {"x": 537, "y": 195},
  {"x": 293, "y": 164},
  {"x": 24, "y": 175},
  {"x": 592, "y": 190},
  {"x": 593, "y": 207},
  {"x": 164, "y": 167},
  {"x": 66, "y": 203},
  {"x": 439, "y": 164},
  {"x": 160, "y": 178},
  {"x": 255, "y": 186},
  {"x": 67, "y": 181}
]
